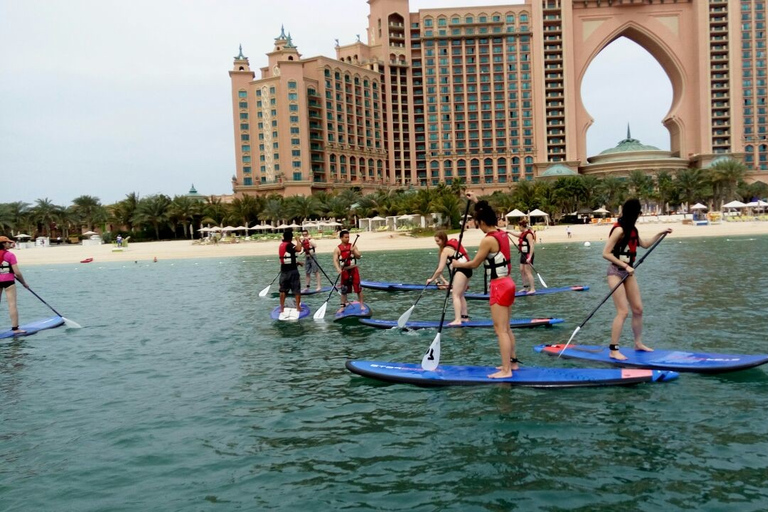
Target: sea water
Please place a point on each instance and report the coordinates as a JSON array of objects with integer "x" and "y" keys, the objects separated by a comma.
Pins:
[{"x": 180, "y": 393}]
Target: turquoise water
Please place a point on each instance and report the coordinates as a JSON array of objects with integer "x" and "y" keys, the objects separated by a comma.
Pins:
[{"x": 180, "y": 394}]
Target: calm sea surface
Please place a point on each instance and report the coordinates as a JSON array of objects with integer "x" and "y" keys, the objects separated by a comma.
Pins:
[{"x": 181, "y": 394}]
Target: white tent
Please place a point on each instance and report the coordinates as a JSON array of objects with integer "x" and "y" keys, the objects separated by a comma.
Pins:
[
  {"x": 752, "y": 204},
  {"x": 537, "y": 213},
  {"x": 405, "y": 217},
  {"x": 22, "y": 235},
  {"x": 515, "y": 213},
  {"x": 293, "y": 225},
  {"x": 734, "y": 204},
  {"x": 698, "y": 206},
  {"x": 601, "y": 210},
  {"x": 377, "y": 218}
]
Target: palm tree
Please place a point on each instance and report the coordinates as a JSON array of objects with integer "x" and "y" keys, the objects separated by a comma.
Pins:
[
  {"x": 153, "y": 210},
  {"x": 45, "y": 213},
  {"x": 245, "y": 210},
  {"x": 613, "y": 191},
  {"x": 724, "y": 176},
  {"x": 89, "y": 210},
  {"x": 183, "y": 210},
  {"x": 301, "y": 207},
  {"x": 6, "y": 218},
  {"x": 640, "y": 186},
  {"x": 449, "y": 206},
  {"x": 524, "y": 195},
  {"x": 692, "y": 185},
  {"x": 273, "y": 210},
  {"x": 665, "y": 185},
  {"x": 215, "y": 210}
]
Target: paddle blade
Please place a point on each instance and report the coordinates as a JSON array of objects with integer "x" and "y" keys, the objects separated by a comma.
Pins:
[
  {"x": 569, "y": 341},
  {"x": 71, "y": 324},
  {"x": 320, "y": 313},
  {"x": 404, "y": 317},
  {"x": 542, "y": 281},
  {"x": 265, "y": 291},
  {"x": 431, "y": 358}
]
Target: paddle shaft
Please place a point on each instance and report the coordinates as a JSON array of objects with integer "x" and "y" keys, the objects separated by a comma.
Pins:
[
  {"x": 650, "y": 249},
  {"x": 41, "y": 300},
  {"x": 453, "y": 270},
  {"x": 323, "y": 271}
]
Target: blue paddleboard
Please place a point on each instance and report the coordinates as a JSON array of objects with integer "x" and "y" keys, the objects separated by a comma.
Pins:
[
  {"x": 290, "y": 313},
  {"x": 32, "y": 328},
  {"x": 434, "y": 324},
  {"x": 444, "y": 375},
  {"x": 539, "y": 291},
  {"x": 405, "y": 287},
  {"x": 306, "y": 291},
  {"x": 677, "y": 360},
  {"x": 353, "y": 310}
]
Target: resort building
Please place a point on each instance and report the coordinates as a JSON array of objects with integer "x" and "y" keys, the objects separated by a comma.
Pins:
[{"x": 492, "y": 95}]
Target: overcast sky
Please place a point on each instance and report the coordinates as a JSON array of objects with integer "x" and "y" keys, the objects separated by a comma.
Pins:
[{"x": 105, "y": 98}]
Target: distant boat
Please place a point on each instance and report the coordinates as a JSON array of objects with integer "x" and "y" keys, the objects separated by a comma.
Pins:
[{"x": 86, "y": 260}]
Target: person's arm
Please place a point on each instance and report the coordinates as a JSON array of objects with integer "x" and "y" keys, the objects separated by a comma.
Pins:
[
  {"x": 531, "y": 244},
  {"x": 647, "y": 243},
  {"x": 19, "y": 277},
  {"x": 514, "y": 233},
  {"x": 440, "y": 264},
  {"x": 608, "y": 250},
  {"x": 336, "y": 256},
  {"x": 482, "y": 253}
]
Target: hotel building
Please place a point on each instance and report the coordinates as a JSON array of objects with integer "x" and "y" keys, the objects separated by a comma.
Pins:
[{"x": 492, "y": 95}]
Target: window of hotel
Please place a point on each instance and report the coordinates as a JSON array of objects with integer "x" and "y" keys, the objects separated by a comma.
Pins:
[
  {"x": 244, "y": 137},
  {"x": 242, "y": 94},
  {"x": 271, "y": 90},
  {"x": 469, "y": 19},
  {"x": 246, "y": 159},
  {"x": 243, "y": 126},
  {"x": 244, "y": 115},
  {"x": 245, "y": 148},
  {"x": 258, "y": 93},
  {"x": 247, "y": 181},
  {"x": 428, "y": 22}
]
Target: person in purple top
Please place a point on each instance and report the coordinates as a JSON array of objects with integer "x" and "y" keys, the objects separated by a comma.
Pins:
[{"x": 9, "y": 273}]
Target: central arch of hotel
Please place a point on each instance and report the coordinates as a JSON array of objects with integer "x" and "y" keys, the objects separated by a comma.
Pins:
[{"x": 661, "y": 30}]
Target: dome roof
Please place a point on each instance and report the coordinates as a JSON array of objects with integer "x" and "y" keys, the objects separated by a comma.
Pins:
[
  {"x": 558, "y": 170},
  {"x": 629, "y": 145},
  {"x": 718, "y": 160}
]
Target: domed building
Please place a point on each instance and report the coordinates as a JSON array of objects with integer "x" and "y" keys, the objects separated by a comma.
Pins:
[{"x": 630, "y": 155}]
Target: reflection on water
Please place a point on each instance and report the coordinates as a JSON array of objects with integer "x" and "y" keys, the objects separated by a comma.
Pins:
[{"x": 181, "y": 393}]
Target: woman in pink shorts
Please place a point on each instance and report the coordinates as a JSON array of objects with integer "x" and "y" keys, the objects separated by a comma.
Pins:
[
  {"x": 9, "y": 272},
  {"x": 495, "y": 255}
]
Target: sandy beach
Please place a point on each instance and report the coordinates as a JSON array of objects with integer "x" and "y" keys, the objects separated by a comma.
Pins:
[{"x": 369, "y": 241}]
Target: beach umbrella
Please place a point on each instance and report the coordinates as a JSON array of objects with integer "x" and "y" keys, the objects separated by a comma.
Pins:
[
  {"x": 204, "y": 230},
  {"x": 22, "y": 235},
  {"x": 283, "y": 226},
  {"x": 293, "y": 225},
  {"x": 215, "y": 228},
  {"x": 601, "y": 211},
  {"x": 515, "y": 213},
  {"x": 90, "y": 233},
  {"x": 698, "y": 206},
  {"x": 377, "y": 218},
  {"x": 261, "y": 227},
  {"x": 537, "y": 213},
  {"x": 405, "y": 217},
  {"x": 734, "y": 204}
]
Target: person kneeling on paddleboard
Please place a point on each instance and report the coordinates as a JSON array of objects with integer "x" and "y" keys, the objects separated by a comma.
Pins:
[
  {"x": 447, "y": 256},
  {"x": 621, "y": 250},
  {"x": 9, "y": 273},
  {"x": 345, "y": 258},
  {"x": 290, "y": 281},
  {"x": 494, "y": 253}
]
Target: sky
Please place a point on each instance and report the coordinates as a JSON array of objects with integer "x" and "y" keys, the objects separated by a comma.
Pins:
[{"x": 106, "y": 98}]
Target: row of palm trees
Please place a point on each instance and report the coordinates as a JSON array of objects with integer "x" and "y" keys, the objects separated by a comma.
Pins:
[{"x": 159, "y": 216}]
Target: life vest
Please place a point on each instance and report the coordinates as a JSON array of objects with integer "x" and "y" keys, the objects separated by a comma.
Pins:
[
  {"x": 346, "y": 256},
  {"x": 522, "y": 242},
  {"x": 456, "y": 246},
  {"x": 307, "y": 246},
  {"x": 5, "y": 267},
  {"x": 498, "y": 264},
  {"x": 287, "y": 257},
  {"x": 626, "y": 252}
]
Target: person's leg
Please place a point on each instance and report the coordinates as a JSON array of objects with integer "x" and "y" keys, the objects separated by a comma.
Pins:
[
  {"x": 457, "y": 293},
  {"x": 318, "y": 279},
  {"x": 13, "y": 309},
  {"x": 500, "y": 316},
  {"x": 531, "y": 281},
  {"x": 282, "y": 301},
  {"x": 636, "y": 306},
  {"x": 622, "y": 311},
  {"x": 524, "y": 276}
]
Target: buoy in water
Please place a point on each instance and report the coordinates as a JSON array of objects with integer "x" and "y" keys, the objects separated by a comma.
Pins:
[{"x": 587, "y": 244}]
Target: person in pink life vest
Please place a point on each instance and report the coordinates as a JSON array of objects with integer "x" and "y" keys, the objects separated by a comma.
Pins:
[{"x": 9, "y": 273}]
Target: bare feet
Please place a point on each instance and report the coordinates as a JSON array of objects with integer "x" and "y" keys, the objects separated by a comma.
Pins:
[
  {"x": 531, "y": 292},
  {"x": 503, "y": 374},
  {"x": 641, "y": 347},
  {"x": 615, "y": 354},
  {"x": 317, "y": 289},
  {"x": 18, "y": 331},
  {"x": 514, "y": 365}
]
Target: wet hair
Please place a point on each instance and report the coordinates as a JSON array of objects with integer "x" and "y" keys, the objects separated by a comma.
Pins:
[
  {"x": 343, "y": 232},
  {"x": 287, "y": 235},
  {"x": 484, "y": 213},
  {"x": 442, "y": 236},
  {"x": 629, "y": 214}
]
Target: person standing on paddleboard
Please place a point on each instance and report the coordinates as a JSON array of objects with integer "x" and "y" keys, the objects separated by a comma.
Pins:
[
  {"x": 447, "y": 256},
  {"x": 526, "y": 240},
  {"x": 494, "y": 253},
  {"x": 345, "y": 258},
  {"x": 290, "y": 281},
  {"x": 310, "y": 264},
  {"x": 9, "y": 273},
  {"x": 621, "y": 250}
]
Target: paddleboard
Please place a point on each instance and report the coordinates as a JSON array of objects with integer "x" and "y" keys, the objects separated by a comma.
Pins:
[
  {"x": 305, "y": 292},
  {"x": 445, "y": 375},
  {"x": 353, "y": 310},
  {"x": 405, "y": 287},
  {"x": 290, "y": 314},
  {"x": 32, "y": 328},
  {"x": 434, "y": 324},
  {"x": 677, "y": 360}
]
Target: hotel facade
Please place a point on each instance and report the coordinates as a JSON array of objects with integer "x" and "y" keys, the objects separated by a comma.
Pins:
[{"x": 492, "y": 95}]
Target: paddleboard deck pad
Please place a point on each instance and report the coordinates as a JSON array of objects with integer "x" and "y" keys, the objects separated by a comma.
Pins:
[
  {"x": 290, "y": 314},
  {"x": 353, "y": 310},
  {"x": 405, "y": 287},
  {"x": 32, "y": 328},
  {"x": 434, "y": 324},
  {"x": 305, "y": 292},
  {"x": 676, "y": 360},
  {"x": 445, "y": 375}
]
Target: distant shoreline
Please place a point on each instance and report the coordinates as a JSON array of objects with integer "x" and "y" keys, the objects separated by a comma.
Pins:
[{"x": 368, "y": 242}]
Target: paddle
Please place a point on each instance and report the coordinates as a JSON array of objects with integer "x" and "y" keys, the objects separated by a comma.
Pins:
[
  {"x": 531, "y": 264},
  {"x": 431, "y": 358},
  {"x": 265, "y": 291},
  {"x": 405, "y": 316},
  {"x": 650, "y": 249},
  {"x": 320, "y": 313},
  {"x": 69, "y": 323},
  {"x": 323, "y": 271}
]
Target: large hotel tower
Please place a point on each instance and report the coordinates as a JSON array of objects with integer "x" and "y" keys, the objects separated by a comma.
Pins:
[{"x": 492, "y": 95}]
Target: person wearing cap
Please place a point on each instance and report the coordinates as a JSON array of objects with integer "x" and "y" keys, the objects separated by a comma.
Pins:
[{"x": 9, "y": 273}]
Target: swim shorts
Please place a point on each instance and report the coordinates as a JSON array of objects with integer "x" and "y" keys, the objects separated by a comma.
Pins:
[{"x": 502, "y": 291}]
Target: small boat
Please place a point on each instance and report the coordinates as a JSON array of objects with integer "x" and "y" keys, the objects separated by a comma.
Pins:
[{"x": 86, "y": 260}]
